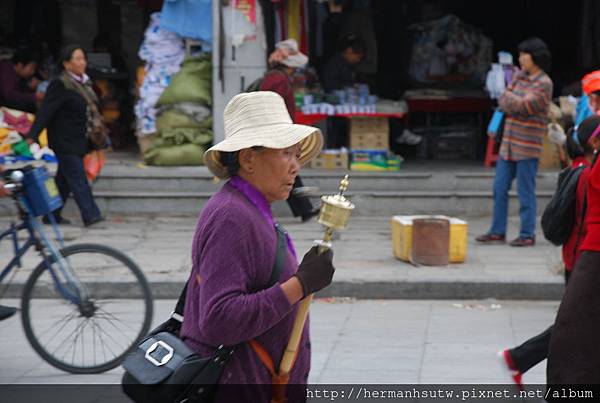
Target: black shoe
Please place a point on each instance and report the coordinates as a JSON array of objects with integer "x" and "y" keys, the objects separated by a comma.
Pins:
[
  {"x": 60, "y": 220},
  {"x": 6, "y": 312},
  {"x": 94, "y": 221}
]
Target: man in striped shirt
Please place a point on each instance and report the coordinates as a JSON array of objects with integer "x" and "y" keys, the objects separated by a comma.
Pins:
[{"x": 525, "y": 104}]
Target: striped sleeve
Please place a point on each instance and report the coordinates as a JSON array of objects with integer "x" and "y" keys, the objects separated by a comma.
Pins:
[{"x": 534, "y": 102}]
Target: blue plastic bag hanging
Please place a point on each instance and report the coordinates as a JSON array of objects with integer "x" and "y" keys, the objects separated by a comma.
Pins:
[{"x": 495, "y": 124}]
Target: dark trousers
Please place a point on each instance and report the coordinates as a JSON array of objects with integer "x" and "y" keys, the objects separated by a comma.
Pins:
[
  {"x": 300, "y": 205},
  {"x": 574, "y": 356},
  {"x": 534, "y": 350},
  {"x": 70, "y": 178},
  {"x": 337, "y": 132}
]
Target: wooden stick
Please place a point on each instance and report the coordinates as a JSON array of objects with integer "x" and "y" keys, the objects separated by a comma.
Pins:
[{"x": 290, "y": 351}]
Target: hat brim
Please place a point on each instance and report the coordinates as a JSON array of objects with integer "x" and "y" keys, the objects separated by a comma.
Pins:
[{"x": 274, "y": 136}]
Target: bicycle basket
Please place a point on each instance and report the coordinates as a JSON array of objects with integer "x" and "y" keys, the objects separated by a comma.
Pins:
[{"x": 40, "y": 191}]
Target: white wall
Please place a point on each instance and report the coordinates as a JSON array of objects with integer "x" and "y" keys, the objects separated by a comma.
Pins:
[{"x": 249, "y": 63}]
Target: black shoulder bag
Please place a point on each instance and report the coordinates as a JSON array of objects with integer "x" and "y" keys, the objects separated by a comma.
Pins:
[{"x": 163, "y": 369}]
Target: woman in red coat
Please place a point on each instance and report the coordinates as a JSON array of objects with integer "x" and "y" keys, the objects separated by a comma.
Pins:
[
  {"x": 283, "y": 63},
  {"x": 581, "y": 150},
  {"x": 574, "y": 356}
]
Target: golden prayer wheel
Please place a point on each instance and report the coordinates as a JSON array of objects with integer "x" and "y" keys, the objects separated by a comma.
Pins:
[
  {"x": 336, "y": 209},
  {"x": 334, "y": 215}
]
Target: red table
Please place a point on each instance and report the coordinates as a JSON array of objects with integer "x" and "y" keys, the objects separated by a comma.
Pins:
[{"x": 302, "y": 119}]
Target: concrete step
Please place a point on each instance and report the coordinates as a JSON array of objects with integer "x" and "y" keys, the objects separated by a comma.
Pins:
[
  {"x": 367, "y": 202},
  {"x": 182, "y": 179},
  {"x": 412, "y": 290},
  {"x": 458, "y": 190}
]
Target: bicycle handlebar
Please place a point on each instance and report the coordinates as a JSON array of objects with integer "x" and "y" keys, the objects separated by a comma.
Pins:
[
  {"x": 12, "y": 187},
  {"x": 13, "y": 179}
]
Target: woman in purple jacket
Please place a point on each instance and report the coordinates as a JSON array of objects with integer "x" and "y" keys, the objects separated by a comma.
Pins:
[{"x": 228, "y": 299}]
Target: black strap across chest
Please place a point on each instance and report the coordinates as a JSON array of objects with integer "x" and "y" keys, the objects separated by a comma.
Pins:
[{"x": 275, "y": 271}]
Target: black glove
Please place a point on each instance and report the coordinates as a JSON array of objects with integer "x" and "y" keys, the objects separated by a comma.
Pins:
[{"x": 316, "y": 271}]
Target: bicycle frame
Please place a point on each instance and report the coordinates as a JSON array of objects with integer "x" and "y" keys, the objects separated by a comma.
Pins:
[
  {"x": 19, "y": 251},
  {"x": 32, "y": 226}
]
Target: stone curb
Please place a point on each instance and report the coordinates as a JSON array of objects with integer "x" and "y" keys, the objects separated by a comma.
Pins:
[{"x": 419, "y": 290}]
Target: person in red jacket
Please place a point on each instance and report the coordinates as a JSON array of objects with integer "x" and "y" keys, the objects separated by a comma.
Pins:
[
  {"x": 283, "y": 63},
  {"x": 574, "y": 356},
  {"x": 581, "y": 149}
]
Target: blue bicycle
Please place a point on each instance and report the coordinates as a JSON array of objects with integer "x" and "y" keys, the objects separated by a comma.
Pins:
[{"x": 84, "y": 306}]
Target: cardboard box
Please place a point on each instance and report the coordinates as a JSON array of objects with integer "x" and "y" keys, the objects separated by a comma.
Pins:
[
  {"x": 369, "y": 160},
  {"x": 369, "y": 133},
  {"x": 330, "y": 159},
  {"x": 402, "y": 237}
]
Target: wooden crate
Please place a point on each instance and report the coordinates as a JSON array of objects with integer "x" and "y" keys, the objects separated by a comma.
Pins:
[
  {"x": 369, "y": 133},
  {"x": 330, "y": 160}
]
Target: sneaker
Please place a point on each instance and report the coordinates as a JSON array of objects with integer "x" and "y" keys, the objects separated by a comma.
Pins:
[
  {"x": 523, "y": 241},
  {"x": 6, "y": 312},
  {"x": 509, "y": 368},
  {"x": 409, "y": 138},
  {"x": 60, "y": 220},
  {"x": 491, "y": 238}
]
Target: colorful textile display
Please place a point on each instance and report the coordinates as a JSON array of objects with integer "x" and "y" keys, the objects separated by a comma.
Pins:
[
  {"x": 13, "y": 147},
  {"x": 163, "y": 51},
  {"x": 291, "y": 21}
]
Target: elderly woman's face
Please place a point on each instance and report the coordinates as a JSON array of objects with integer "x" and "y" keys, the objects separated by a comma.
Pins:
[{"x": 271, "y": 171}]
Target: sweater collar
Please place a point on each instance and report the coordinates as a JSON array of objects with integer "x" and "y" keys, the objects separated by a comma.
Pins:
[
  {"x": 254, "y": 195},
  {"x": 80, "y": 79},
  {"x": 261, "y": 203}
]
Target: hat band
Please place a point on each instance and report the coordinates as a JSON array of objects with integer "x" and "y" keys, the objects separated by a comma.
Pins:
[{"x": 258, "y": 127}]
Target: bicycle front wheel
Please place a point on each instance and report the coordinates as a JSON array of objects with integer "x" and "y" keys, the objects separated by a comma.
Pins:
[{"x": 88, "y": 325}]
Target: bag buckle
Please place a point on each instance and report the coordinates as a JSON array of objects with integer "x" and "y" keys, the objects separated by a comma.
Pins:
[{"x": 166, "y": 358}]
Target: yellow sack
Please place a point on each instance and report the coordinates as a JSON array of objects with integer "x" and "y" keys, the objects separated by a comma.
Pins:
[{"x": 43, "y": 138}]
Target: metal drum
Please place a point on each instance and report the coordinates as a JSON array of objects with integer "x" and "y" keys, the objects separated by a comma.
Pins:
[{"x": 431, "y": 241}]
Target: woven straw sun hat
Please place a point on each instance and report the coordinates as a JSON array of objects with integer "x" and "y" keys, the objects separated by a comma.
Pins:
[{"x": 261, "y": 119}]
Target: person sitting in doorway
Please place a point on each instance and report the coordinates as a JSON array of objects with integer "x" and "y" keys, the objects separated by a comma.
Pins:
[
  {"x": 338, "y": 71},
  {"x": 15, "y": 90}
]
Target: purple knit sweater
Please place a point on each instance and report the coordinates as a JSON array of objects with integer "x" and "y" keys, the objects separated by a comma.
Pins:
[{"x": 232, "y": 256}]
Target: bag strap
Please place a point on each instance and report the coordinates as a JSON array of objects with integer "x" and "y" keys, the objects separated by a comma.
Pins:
[
  {"x": 275, "y": 271},
  {"x": 279, "y": 257}
]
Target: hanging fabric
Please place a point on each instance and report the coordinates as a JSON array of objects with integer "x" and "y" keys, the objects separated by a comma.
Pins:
[
  {"x": 293, "y": 18},
  {"x": 303, "y": 27}
]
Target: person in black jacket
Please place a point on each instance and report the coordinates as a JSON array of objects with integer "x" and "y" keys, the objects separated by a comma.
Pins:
[{"x": 66, "y": 114}]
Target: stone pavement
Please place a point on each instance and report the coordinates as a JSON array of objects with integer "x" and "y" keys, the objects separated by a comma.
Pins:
[
  {"x": 361, "y": 341},
  {"x": 366, "y": 267}
]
